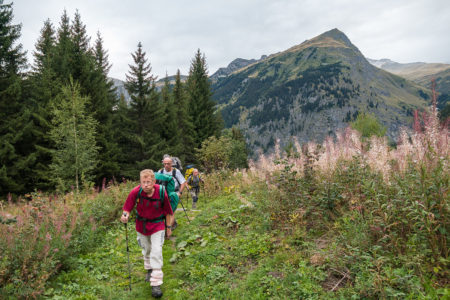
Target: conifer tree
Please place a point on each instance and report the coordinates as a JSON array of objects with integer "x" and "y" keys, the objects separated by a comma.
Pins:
[
  {"x": 101, "y": 56},
  {"x": 145, "y": 111},
  {"x": 124, "y": 126},
  {"x": 185, "y": 126},
  {"x": 104, "y": 99},
  {"x": 201, "y": 105},
  {"x": 44, "y": 48},
  {"x": 82, "y": 59},
  {"x": 63, "y": 60},
  {"x": 170, "y": 133},
  {"x": 75, "y": 156},
  {"x": 15, "y": 156},
  {"x": 44, "y": 86}
]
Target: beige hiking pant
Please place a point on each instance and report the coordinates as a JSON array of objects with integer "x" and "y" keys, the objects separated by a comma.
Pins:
[{"x": 152, "y": 251}]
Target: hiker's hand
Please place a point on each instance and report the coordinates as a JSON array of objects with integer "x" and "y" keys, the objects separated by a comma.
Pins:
[
  {"x": 168, "y": 231},
  {"x": 124, "y": 218},
  {"x": 179, "y": 194}
]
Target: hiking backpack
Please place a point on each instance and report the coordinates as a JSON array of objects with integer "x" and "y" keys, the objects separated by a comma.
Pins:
[
  {"x": 174, "y": 173},
  {"x": 189, "y": 169},
  {"x": 168, "y": 182},
  {"x": 176, "y": 163}
]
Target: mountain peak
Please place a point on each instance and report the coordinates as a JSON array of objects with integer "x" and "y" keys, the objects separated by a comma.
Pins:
[
  {"x": 336, "y": 35},
  {"x": 333, "y": 38}
]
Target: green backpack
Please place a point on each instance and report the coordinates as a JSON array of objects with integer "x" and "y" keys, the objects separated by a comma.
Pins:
[{"x": 168, "y": 182}]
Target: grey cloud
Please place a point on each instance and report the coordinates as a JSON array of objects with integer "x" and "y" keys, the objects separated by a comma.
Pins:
[{"x": 172, "y": 31}]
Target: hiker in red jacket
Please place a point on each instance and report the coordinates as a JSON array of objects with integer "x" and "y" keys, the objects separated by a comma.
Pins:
[{"x": 152, "y": 207}]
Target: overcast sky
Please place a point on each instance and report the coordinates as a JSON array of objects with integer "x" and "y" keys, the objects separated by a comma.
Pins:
[{"x": 172, "y": 31}]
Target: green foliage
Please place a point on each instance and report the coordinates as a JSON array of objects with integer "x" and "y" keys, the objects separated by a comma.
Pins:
[
  {"x": 201, "y": 106},
  {"x": 227, "y": 151},
  {"x": 16, "y": 158},
  {"x": 74, "y": 136},
  {"x": 144, "y": 146},
  {"x": 51, "y": 234},
  {"x": 368, "y": 125},
  {"x": 184, "y": 121},
  {"x": 236, "y": 247},
  {"x": 171, "y": 133}
]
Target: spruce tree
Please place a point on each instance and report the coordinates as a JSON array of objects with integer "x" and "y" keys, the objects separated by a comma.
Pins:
[
  {"x": 15, "y": 159},
  {"x": 102, "y": 92},
  {"x": 170, "y": 133},
  {"x": 201, "y": 105},
  {"x": 124, "y": 125},
  {"x": 44, "y": 86},
  {"x": 145, "y": 111},
  {"x": 101, "y": 56},
  {"x": 62, "y": 63},
  {"x": 75, "y": 156},
  {"x": 185, "y": 126}
]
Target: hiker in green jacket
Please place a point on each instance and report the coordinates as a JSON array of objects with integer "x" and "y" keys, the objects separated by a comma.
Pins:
[{"x": 193, "y": 182}]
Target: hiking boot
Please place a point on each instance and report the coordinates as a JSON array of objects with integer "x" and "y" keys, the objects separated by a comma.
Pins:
[
  {"x": 194, "y": 205},
  {"x": 156, "y": 291},
  {"x": 148, "y": 275}
]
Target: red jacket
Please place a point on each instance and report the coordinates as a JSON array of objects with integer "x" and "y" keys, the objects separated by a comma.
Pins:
[{"x": 148, "y": 209}]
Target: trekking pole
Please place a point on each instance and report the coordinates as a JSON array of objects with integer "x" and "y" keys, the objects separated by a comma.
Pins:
[
  {"x": 188, "y": 193},
  {"x": 189, "y": 221},
  {"x": 128, "y": 254}
]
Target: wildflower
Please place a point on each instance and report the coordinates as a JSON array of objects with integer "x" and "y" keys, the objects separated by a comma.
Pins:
[{"x": 48, "y": 237}]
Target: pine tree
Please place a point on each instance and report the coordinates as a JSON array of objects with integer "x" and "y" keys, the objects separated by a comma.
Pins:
[
  {"x": 44, "y": 86},
  {"x": 185, "y": 126},
  {"x": 201, "y": 105},
  {"x": 102, "y": 92},
  {"x": 62, "y": 63},
  {"x": 124, "y": 126},
  {"x": 44, "y": 48},
  {"x": 73, "y": 133},
  {"x": 145, "y": 111},
  {"x": 101, "y": 56},
  {"x": 171, "y": 133},
  {"x": 15, "y": 156},
  {"x": 83, "y": 62}
]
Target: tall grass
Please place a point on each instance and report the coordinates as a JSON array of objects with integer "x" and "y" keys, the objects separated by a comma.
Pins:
[
  {"x": 369, "y": 200},
  {"x": 47, "y": 232}
]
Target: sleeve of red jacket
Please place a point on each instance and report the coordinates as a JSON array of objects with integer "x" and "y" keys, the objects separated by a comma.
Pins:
[{"x": 131, "y": 199}]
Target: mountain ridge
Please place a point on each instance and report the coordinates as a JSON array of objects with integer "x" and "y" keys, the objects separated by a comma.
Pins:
[{"x": 310, "y": 90}]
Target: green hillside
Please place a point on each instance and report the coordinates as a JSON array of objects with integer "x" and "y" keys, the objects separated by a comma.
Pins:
[{"x": 312, "y": 89}]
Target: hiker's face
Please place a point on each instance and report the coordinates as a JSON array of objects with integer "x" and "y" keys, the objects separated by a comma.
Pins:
[
  {"x": 167, "y": 162},
  {"x": 195, "y": 173},
  {"x": 147, "y": 184}
]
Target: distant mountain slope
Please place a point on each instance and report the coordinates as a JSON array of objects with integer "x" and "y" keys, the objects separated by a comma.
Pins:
[
  {"x": 120, "y": 85},
  {"x": 120, "y": 89},
  {"x": 423, "y": 74},
  {"x": 235, "y": 65},
  {"x": 416, "y": 71},
  {"x": 312, "y": 89}
]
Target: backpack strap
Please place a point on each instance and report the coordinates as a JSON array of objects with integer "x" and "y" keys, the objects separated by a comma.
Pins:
[
  {"x": 174, "y": 173},
  {"x": 161, "y": 199}
]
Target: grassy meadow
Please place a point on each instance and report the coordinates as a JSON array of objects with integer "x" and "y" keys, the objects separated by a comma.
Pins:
[{"x": 346, "y": 219}]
